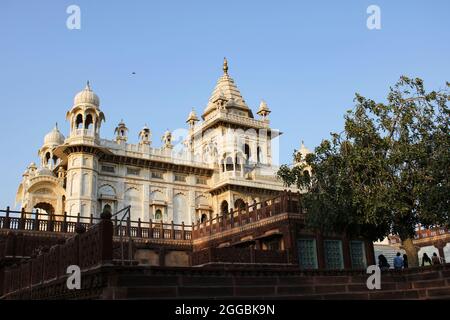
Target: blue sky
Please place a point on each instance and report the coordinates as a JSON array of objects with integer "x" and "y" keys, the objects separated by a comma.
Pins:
[{"x": 305, "y": 58}]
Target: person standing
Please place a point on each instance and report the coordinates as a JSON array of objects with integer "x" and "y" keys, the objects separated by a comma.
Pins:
[
  {"x": 398, "y": 261},
  {"x": 426, "y": 261},
  {"x": 382, "y": 263},
  {"x": 405, "y": 261},
  {"x": 435, "y": 259}
]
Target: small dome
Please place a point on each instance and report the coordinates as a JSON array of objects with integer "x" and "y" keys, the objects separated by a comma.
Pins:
[
  {"x": 86, "y": 96},
  {"x": 304, "y": 150},
  {"x": 32, "y": 166},
  {"x": 45, "y": 172},
  {"x": 54, "y": 137},
  {"x": 192, "y": 116},
  {"x": 263, "y": 108}
]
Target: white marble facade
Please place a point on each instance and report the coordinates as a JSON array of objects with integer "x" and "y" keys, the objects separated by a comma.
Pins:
[{"x": 224, "y": 161}]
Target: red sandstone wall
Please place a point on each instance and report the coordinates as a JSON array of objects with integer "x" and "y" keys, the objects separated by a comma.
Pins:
[
  {"x": 277, "y": 283},
  {"x": 245, "y": 281}
]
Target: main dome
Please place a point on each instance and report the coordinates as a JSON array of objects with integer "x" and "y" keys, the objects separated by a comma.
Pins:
[{"x": 86, "y": 96}]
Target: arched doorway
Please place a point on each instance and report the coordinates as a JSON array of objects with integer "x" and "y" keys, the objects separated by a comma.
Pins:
[
  {"x": 247, "y": 153},
  {"x": 45, "y": 208},
  {"x": 158, "y": 214},
  {"x": 107, "y": 209},
  {"x": 224, "y": 207}
]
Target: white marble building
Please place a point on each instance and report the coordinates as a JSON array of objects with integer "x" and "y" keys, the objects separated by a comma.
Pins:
[{"x": 225, "y": 160}]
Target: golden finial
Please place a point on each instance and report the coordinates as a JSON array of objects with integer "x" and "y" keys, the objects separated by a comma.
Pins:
[{"x": 225, "y": 65}]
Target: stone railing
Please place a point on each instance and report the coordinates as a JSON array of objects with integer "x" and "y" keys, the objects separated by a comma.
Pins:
[
  {"x": 238, "y": 255},
  {"x": 86, "y": 250},
  {"x": 229, "y": 117},
  {"x": 286, "y": 202},
  {"x": 433, "y": 232},
  {"x": 35, "y": 221},
  {"x": 155, "y": 154}
]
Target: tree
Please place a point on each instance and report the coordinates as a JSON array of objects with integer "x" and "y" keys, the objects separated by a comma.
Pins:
[{"x": 386, "y": 172}]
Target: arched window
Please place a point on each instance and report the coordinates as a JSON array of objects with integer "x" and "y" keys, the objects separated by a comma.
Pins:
[
  {"x": 55, "y": 160},
  {"x": 63, "y": 203},
  {"x": 45, "y": 208},
  {"x": 247, "y": 152},
  {"x": 79, "y": 122},
  {"x": 88, "y": 122},
  {"x": 158, "y": 214},
  {"x": 47, "y": 157},
  {"x": 107, "y": 208},
  {"x": 229, "y": 164},
  {"x": 203, "y": 218},
  {"x": 224, "y": 207},
  {"x": 239, "y": 204},
  {"x": 259, "y": 154}
]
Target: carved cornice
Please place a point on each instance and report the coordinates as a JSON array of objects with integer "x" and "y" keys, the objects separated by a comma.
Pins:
[
  {"x": 159, "y": 165},
  {"x": 242, "y": 188}
]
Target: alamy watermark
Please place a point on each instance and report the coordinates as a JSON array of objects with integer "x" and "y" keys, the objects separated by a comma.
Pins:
[
  {"x": 73, "y": 21},
  {"x": 74, "y": 279},
  {"x": 374, "y": 20},
  {"x": 374, "y": 280}
]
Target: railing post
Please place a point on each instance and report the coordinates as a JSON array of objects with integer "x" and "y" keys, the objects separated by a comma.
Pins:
[
  {"x": 300, "y": 205},
  {"x": 91, "y": 220},
  {"x": 209, "y": 227},
  {"x": 22, "y": 219},
  {"x": 263, "y": 211},
  {"x": 172, "y": 232},
  {"x": 232, "y": 218},
  {"x": 182, "y": 231},
  {"x": 139, "y": 230},
  {"x": 289, "y": 201},
  {"x": 128, "y": 231},
  {"x": 192, "y": 231},
  {"x": 198, "y": 228},
  {"x": 106, "y": 236},
  {"x": 50, "y": 222},
  {"x": 117, "y": 232},
  {"x": 64, "y": 226},
  {"x": 130, "y": 241},
  {"x": 150, "y": 229},
  {"x": 36, "y": 220},
  {"x": 239, "y": 213},
  {"x": 6, "y": 221}
]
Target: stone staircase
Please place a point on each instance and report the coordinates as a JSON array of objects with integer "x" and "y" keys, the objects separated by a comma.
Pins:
[{"x": 388, "y": 251}]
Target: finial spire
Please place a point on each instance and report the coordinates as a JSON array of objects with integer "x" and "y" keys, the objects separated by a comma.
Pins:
[
  {"x": 225, "y": 65},
  {"x": 88, "y": 86}
]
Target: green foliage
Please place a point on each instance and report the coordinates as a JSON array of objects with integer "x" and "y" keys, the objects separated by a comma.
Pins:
[{"x": 386, "y": 172}]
